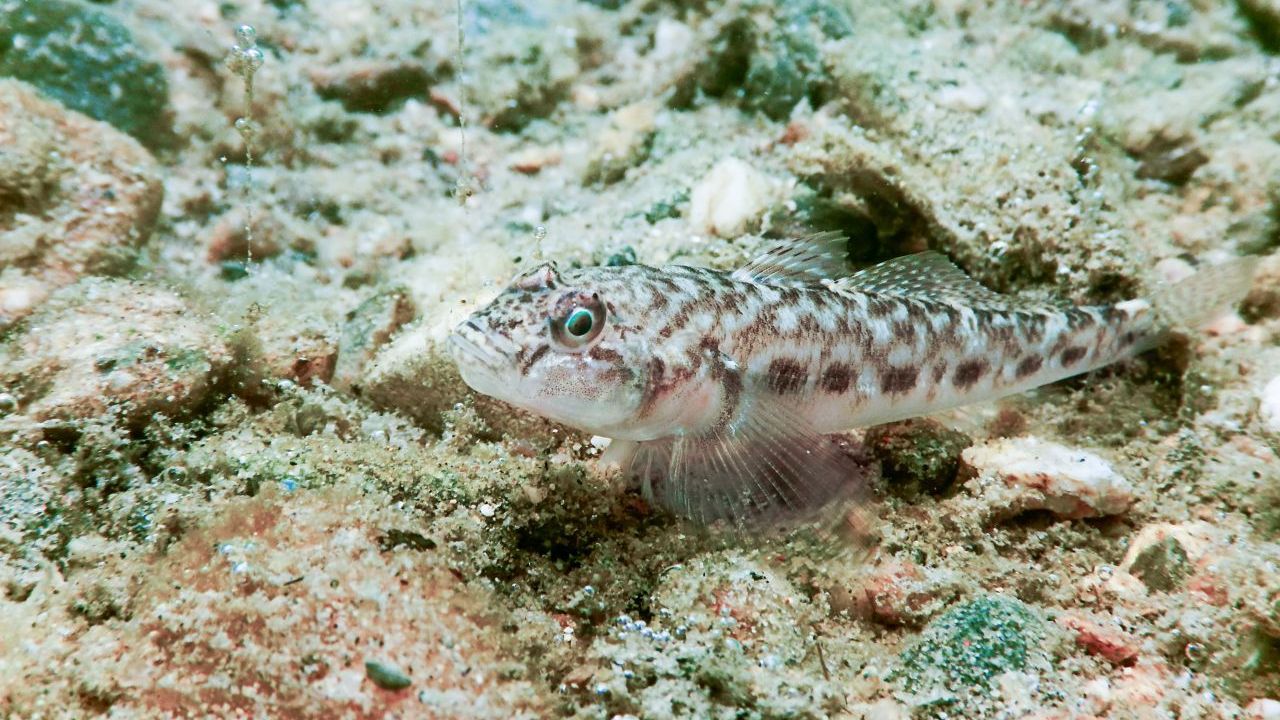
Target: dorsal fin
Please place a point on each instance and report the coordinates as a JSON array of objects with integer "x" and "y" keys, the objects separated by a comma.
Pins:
[
  {"x": 802, "y": 260},
  {"x": 931, "y": 276}
]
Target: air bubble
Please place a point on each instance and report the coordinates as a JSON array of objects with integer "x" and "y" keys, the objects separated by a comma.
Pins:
[
  {"x": 540, "y": 233},
  {"x": 246, "y": 35}
]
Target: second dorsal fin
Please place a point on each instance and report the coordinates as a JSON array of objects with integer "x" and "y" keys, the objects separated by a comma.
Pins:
[
  {"x": 931, "y": 276},
  {"x": 804, "y": 260}
]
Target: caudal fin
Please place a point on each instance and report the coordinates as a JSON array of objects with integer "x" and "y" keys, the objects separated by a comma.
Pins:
[{"x": 1213, "y": 290}]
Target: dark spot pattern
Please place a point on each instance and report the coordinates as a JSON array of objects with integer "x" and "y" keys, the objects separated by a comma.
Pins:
[
  {"x": 1029, "y": 366},
  {"x": 786, "y": 376},
  {"x": 836, "y": 378},
  {"x": 968, "y": 373},
  {"x": 1072, "y": 355},
  {"x": 899, "y": 379}
]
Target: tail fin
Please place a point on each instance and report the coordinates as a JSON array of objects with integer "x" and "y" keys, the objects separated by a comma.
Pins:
[{"x": 1213, "y": 290}]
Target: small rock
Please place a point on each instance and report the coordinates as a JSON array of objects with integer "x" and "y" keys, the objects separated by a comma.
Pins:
[
  {"x": 368, "y": 328},
  {"x": 229, "y": 238},
  {"x": 387, "y": 677},
  {"x": 1269, "y": 406},
  {"x": 105, "y": 345},
  {"x": 1111, "y": 644},
  {"x": 76, "y": 197},
  {"x": 917, "y": 456},
  {"x": 624, "y": 144},
  {"x": 1170, "y": 159},
  {"x": 893, "y": 593},
  {"x": 531, "y": 160},
  {"x": 1042, "y": 475},
  {"x": 1262, "y": 709},
  {"x": 86, "y": 60},
  {"x": 965, "y": 98},
  {"x": 1164, "y": 555},
  {"x": 372, "y": 86},
  {"x": 730, "y": 198}
]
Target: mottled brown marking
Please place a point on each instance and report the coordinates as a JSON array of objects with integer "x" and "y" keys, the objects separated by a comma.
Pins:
[
  {"x": 533, "y": 358},
  {"x": 604, "y": 354},
  {"x": 836, "y": 378},
  {"x": 1029, "y": 366},
  {"x": 968, "y": 372},
  {"x": 786, "y": 376},
  {"x": 898, "y": 379},
  {"x": 904, "y": 331},
  {"x": 1072, "y": 355}
]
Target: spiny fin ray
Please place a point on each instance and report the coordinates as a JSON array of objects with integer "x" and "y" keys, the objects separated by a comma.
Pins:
[
  {"x": 931, "y": 276},
  {"x": 804, "y": 260}
]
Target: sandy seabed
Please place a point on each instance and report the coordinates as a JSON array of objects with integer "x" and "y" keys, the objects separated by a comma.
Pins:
[{"x": 239, "y": 476}]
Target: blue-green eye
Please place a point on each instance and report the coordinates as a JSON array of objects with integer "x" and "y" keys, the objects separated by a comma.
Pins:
[{"x": 579, "y": 322}]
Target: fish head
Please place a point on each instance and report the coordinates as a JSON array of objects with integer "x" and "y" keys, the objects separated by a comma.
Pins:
[{"x": 555, "y": 344}]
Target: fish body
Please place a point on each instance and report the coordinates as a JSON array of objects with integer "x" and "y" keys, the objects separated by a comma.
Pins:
[{"x": 722, "y": 386}]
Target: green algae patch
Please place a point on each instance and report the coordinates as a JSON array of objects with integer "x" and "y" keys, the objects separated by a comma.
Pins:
[
  {"x": 85, "y": 60},
  {"x": 959, "y": 656}
]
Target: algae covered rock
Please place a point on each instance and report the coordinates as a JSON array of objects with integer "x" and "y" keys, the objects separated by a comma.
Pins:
[
  {"x": 956, "y": 662},
  {"x": 917, "y": 456},
  {"x": 76, "y": 197},
  {"x": 86, "y": 60},
  {"x": 769, "y": 56},
  {"x": 112, "y": 346}
]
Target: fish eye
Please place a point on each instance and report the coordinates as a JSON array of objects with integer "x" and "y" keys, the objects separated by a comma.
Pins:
[{"x": 579, "y": 321}]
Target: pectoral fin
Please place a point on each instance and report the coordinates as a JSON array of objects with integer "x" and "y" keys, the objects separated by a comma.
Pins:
[{"x": 768, "y": 470}]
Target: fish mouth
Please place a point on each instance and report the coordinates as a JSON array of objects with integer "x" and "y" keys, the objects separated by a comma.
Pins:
[{"x": 469, "y": 344}]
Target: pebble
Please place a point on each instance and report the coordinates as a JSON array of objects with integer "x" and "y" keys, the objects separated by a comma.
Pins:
[
  {"x": 1163, "y": 555},
  {"x": 623, "y": 144},
  {"x": 728, "y": 199},
  {"x": 1269, "y": 406},
  {"x": 1042, "y": 475},
  {"x": 1111, "y": 644},
  {"x": 387, "y": 677},
  {"x": 371, "y": 86},
  {"x": 368, "y": 327},
  {"x": 966, "y": 98}
]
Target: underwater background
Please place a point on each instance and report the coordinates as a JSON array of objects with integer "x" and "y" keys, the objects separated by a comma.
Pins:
[{"x": 240, "y": 476}]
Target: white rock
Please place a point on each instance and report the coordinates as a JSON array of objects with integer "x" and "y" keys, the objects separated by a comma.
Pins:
[
  {"x": 1269, "y": 409},
  {"x": 1263, "y": 709},
  {"x": 1040, "y": 475},
  {"x": 966, "y": 98},
  {"x": 728, "y": 199}
]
